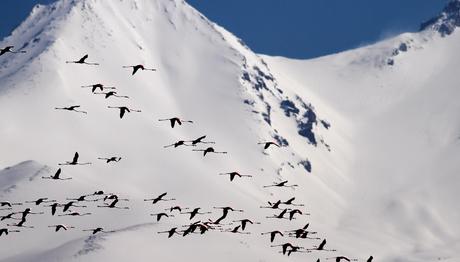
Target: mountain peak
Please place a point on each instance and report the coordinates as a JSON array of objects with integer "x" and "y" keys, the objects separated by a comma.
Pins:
[{"x": 447, "y": 21}]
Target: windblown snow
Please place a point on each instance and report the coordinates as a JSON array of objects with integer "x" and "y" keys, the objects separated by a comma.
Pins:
[{"x": 371, "y": 137}]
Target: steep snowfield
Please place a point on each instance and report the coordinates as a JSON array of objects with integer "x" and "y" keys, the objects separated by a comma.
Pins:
[
  {"x": 372, "y": 146},
  {"x": 405, "y": 136}
]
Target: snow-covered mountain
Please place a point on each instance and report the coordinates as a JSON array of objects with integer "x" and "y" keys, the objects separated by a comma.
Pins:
[{"x": 371, "y": 136}]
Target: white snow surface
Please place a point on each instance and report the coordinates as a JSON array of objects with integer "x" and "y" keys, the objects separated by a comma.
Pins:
[{"x": 384, "y": 178}]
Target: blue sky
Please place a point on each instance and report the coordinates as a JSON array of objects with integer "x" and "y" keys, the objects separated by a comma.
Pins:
[{"x": 292, "y": 28}]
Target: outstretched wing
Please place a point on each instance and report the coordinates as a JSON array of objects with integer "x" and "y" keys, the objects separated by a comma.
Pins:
[
  {"x": 58, "y": 172},
  {"x": 75, "y": 158}
]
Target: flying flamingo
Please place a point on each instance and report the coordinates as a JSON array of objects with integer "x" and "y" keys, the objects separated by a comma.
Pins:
[
  {"x": 124, "y": 109},
  {"x": 281, "y": 184},
  {"x": 208, "y": 150},
  {"x": 200, "y": 140},
  {"x": 71, "y": 108},
  {"x": 6, "y": 231},
  {"x": 159, "y": 198},
  {"x": 273, "y": 235},
  {"x": 98, "y": 86},
  {"x": 81, "y": 61},
  {"x": 109, "y": 94},
  {"x": 175, "y": 120},
  {"x": 170, "y": 232},
  {"x": 74, "y": 161},
  {"x": 268, "y": 144},
  {"x": 61, "y": 226},
  {"x": 160, "y": 215},
  {"x": 234, "y": 174},
  {"x": 110, "y": 159},
  {"x": 139, "y": 67},
  {"x": 9, "y": 49},
  {"x": 56, "y": 176},
  {"x": 177, "y": 144}
]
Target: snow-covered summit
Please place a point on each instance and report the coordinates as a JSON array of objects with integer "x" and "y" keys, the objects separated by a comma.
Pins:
[{"x": 447, "y": 21}]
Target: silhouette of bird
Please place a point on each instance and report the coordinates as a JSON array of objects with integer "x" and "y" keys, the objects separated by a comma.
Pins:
[
  {"x": 225, "y": 213},
  {"x": 95, "y": 230},
  {"x": 195, "y": 212},
  {"x": 81, "y": 61},
  {"x": 27, "y": 212},
  {"x": 280, "y": 215},
  {"x": 20, "y": 224},
  {"x": 41, "y": 200},
  {"x": 159, "y": 198},
  {"x": 124, "y": 109},
  {"x": 74, "y": 161},
  {"x": 101, "y": 87},
  {"x": 139, "y": 67},
  {"x": 53, "y": 208},
  {"x": 109, "y": 94},
  {"x": 200, "y": 140},
  {"x": 235, "y": 230},
  {"x": 244, "y": 222},
  {"x": 209, "y": 150},
  {"x": 290, "y": 202},
  {"x": 268, "y": 144},
  {"x": 175, "y": 120},
  {"x": 370, "y": 259},
  {"x": 75, "y": 214},
  {"x": 273, "y": 235},
  {"x": 6, "y": 231},
  {"x": 113, "y": 205},
  {"x": 234, "y": 174},
  {"x": 56, "y": 176},
  {"x": 71, "y": 108},
  {"x": 295, "y": 211},
  {"x": 170, "y": 232},
  {"x": 285, "y": 247},
  {"x": 177, "y": 144},
  {"x": 321, "y": 247},
  {"x": 8, "y": 216},
  {"x": 274, "y": 205},
  {"x": 9, "y": 204},
  {"x": 178, "y": 208},
  {"x": 113, "y": 197},
  {"x": 281, "y": 184},
  {"x": 82, "y": 199},
  {"x": 110, "y": 159},
  {"x": 9, "y": 49},
  {"x": 61, "y": 226},
  {"x": 69, "y": 205},
  {"x": 160, "y": 215}
]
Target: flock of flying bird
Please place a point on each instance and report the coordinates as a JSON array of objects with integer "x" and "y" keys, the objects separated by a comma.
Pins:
[{"x": 288, "y": 210}]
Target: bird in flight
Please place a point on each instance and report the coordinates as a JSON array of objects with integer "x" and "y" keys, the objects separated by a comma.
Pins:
[
  {"x": 109, "y": 94},
  {"x": 139, "y": 67},
  {"x": 175, "y": 120},
  {"x": 268, "y": 144},
  {"x": 9, "y": 49},
  {"x": 200, "y": 140},
  {"x": 209, "y": 150},
  {"x": 110, "y": 159},
  {"x": 56, "y": 176},
  {"x": 71, "y": 108},
  {"x": 233, "y": 175},
  {"x": 81, "y": 61},
  {"x": 101, "y": 87},
  {"x": 74, "y": 161},
  {"x": 281, "y": 184},
  {"x": 124, "y": 109}
]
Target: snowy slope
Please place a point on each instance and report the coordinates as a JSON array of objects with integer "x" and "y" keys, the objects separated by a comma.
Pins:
[{"x": 371, "y": 139}]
